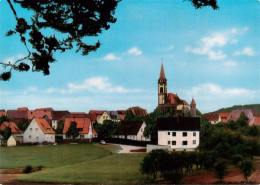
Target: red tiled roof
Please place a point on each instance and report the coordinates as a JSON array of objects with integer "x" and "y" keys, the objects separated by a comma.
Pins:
[
  {"x": 175, "y": 100},
  {"x": 94, "y": 114},
  {"x": 138, "y": 111},
  {"x": 45, "y": 109},
  {"x": 255, "y": 113},
  {"x": 256, "y": 121},
  {"x": 224, "y": 116},
  {"x": 211, "y": 117},
  {"x": 40, "y": 113},
  {"x": 23, "y": 108},
  {"x": 44, "y": 125},
  {"x": 16, "y": 114},
  {"x": 12, "y": 125},
  {"x": 59, "y": 115},
  {"x": 77, "y": 115},
  {"x": 193, "y": 102},
  {"x": 82, "y": 123}
]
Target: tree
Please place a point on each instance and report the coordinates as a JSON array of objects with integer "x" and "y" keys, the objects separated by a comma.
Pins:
[
  {"x": 220, "y": 169},
  {"x": 107, "y": 129},
  {"x": 7, "y": 133},
  {"x": 60, "y": 127},
  {"x": 243, "y": 120},
  {"x": 3, "y": 118},
  {"x": 23, "y": 125},
  {"x": 246, "y": 167},
  {"x": 73, "y": 131},
  {"x": 147, "y": 166},
  {"x": 73, "y": 20}
]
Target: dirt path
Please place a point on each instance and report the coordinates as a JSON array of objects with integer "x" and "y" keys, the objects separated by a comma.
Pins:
[
  {"x": 8, "y": 175},
  {"x": 126, "y": 148},
  {"x": 233, "y": 176}
]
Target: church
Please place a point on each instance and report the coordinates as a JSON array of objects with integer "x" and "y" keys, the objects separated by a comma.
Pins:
[{"x": 171, "y": 102}]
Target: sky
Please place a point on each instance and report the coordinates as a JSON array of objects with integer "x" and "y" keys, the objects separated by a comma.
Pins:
[{"x": 210, "y": 55}]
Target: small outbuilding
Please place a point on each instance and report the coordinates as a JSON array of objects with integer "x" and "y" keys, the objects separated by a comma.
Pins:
[{"x": 14, "y": 140}]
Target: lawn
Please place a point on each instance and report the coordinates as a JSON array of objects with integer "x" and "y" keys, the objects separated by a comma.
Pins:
[
  {"x": 49, "y": 155},
  {"x": 81, "y": 163}
]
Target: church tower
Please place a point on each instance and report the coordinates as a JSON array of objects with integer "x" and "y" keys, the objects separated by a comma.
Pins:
[
  {"x": 162, "y": 88},
  {"x": 192, "y": 108}
]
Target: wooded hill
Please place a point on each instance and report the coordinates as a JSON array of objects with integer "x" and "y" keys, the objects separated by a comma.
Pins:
[{"x": 239, "y": 107}]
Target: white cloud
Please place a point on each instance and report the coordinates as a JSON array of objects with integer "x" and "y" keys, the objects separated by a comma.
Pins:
[
  {"x": 2, "y": 93},
  {"x": 217, "y": 40},
  {"x": 246, "y": 51},
  {"x": 230, "y": 64},
  {"x": 30, "y": 89},
  {"x": 101, "y": 84},
  {"x": 134, "y": 51},
  {"x": 54, "y": 90},
  {"x": 170, "y": 48},
  {"x": 111, "y": 56}
]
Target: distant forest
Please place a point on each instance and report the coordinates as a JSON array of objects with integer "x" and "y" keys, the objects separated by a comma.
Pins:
[{"x": 239, "y": 107}]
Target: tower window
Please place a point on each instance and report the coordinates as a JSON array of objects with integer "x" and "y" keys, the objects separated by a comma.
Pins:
[{"x": 161, "y": 90}]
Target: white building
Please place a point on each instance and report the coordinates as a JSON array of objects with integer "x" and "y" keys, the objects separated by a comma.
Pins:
[
  {"x": 181, "y": 134},
  {"x": 39, "y": 131},
  {"x": 133, "y": 130}
]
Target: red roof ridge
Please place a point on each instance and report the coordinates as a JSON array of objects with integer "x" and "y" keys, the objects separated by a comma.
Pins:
[{"x": 162, "y": 75}]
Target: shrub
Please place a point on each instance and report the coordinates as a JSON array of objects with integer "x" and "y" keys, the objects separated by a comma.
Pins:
[
  {"x": 27, "y": 169},
  {"x": 39, "y": 168}
]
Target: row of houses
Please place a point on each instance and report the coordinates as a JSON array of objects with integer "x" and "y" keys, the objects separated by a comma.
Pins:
[
  {"x": 252, "y": 115},
  {"x": 45, "y": 121}
]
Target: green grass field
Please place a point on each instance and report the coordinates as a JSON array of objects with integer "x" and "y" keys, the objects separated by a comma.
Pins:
[{"x": 82, "y": 163}]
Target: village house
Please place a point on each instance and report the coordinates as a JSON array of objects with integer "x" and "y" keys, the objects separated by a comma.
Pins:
[
  {"x": 95, "y": 115},
  {"x": 213, "y": 118},
  {"x": 255, "y": 121},
  {"x": 17, "y": 114},
  {"x": 39, "y": 131},
  {"x": 235, "y": 114},
  {"x": 16, "y": 132},
  {"x": 109, "y": 115},
  {"x": 83, "y": 124},
  {"x": 179, "y": 133},
  {"x": 133, "y": 130}
]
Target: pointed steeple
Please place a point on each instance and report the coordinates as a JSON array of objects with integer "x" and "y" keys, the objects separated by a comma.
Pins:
[
  {"x": 162, "y": 75},
  {"x": 193, "y": 102}
]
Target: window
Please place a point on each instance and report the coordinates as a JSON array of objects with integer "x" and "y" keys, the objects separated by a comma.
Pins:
[
  {"x": 184, "y": 134},
  {"x": 36, "y": 129},
  {"x": 161, "y": 90},
  {"x": 30, "y": 137},
  {"x": 173, "y": 133},
  {"x": 194, "y": 133},
  {"x": 194, "y": 142},
  {"x": 31, "y": 129},
  {"x": 169, "y": 133},
  {"x": 173, "y": 142},
  {"x": 169, "y": 142},
  {"x": 37, "y": 138},
  {"x": 184, "y": 142}
]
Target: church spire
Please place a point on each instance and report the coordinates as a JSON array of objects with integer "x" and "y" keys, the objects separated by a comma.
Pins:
[{"x": 162, "y": 75}]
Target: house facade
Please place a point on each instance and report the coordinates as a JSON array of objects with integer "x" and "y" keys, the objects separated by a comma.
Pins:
[
  {"x": 39, "y": 131},
  {"x": 213, "y": 118},
  {"x": 180, "y": 133},
  {"x": 83, "y": 124},
  {"x": 133, "y": 130},
  {"x": 109, "y": 115}
]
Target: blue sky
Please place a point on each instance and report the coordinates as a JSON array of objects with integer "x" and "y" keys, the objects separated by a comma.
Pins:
[{"x": 213, "y": 56}]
